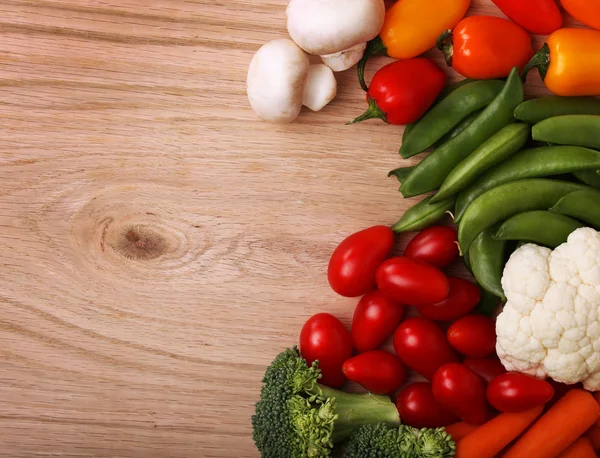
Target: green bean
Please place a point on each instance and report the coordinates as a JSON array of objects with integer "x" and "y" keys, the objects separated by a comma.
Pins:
[
  {"x": 448, "y": 113},
  {"x": 583, "y": 205},
  {"x": 530, "y": 163},
  {"x": 433, "y": 170},
  {"x": 536, "y": 110},
  {"x": 508, "y": 199},
  {"x": 458, "y": 129},
  {"x": 504, "y": 143},
  {"x": 589, "y": 177},
  {"x": 539, "y": 227},
  {"x": 580, "y": 130},
  {"x": 487, "y": 261},
  {"x": 423, "y": 215},
  {"x": 488, "y": 304},
  {"x": 401, "y": 173}
]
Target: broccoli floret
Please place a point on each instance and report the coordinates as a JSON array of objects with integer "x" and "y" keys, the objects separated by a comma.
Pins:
[
  {"x": 296, "y": 417},
  {"x": 381, "y": 441}
]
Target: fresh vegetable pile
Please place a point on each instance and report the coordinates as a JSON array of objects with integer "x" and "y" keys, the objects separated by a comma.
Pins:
[{"x": 507, "y": 362}]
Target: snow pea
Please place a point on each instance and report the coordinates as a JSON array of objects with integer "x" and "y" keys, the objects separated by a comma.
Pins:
[
  {"x": 529, "y": 163},
  {"x": 540, "y": 227},
  {"x": 423, "y": 215},
  {"x": 504, "y": 143},
  {"x": 488, "y": 304},
  {"x": 458, "y": 129},
  {"x": 536, "y": 110},
  {"x": 580, "y": 130},
  {"x": 433, "y": 170},
  {"x": 583, "y": 205},
  {"x": 589, "y": 177},
  {"x": 401, "y": 173},
  {"x": 452, "y": 109},
  {"x": 487, "y": 261},
  {"x": 508, "y": 199}
]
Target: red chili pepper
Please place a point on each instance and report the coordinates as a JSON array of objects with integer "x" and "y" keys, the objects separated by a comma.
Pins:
[
  {"x": 537, "y": 16},
  {"x": 486, "y": 47},
  {"x": 401, "y": 92}
]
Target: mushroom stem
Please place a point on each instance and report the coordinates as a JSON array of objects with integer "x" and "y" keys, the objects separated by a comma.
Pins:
[
  {"x": 343, "y": 60},
  {"x": 320, "y": 88}
]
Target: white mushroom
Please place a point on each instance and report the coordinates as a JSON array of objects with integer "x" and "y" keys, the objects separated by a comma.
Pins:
[
  {"x": 281, "y": 80},
  {"x": 336, "y": 30}
]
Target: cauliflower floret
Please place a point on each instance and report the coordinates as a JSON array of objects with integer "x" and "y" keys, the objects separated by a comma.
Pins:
[{"x": 550, "y": 324}]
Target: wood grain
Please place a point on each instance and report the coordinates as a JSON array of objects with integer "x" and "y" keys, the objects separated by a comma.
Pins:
[{"x": 159, "y": 244}]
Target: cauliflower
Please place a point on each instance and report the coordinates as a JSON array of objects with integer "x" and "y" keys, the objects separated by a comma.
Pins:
[{"x": 550, "y": 325}]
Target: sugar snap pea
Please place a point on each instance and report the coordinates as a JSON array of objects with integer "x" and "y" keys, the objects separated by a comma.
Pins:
[
  {"x": 529, "y": 163},
  {"x": 508, "y": 199},
  {"x": 433, "y": 170},
  {"x": 589, "y": 177},
  {"x": 448, "y": 113},
  {"x": 536, "y": 110},
  {"x": 423, "y": 215},
  {"x": 487, "y": 261},
  {"x": 401, "y": 173},
  {"x": 580, "y": 130},
  {"x": 540, "y": 227},
  {"x": 583, "y": 205},
  {"x": 457, "y": 129},
  {"x": 504, "y": 143}
]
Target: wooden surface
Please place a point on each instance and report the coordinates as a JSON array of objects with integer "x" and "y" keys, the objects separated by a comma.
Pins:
[{"x": 159, "y": 244}]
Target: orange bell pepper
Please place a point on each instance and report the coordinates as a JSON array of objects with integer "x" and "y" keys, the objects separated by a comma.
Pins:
[
  {"x": 412, "y": 27},
  {"x": 585, "y": 11},
  {"x": 569, "y": 62}
]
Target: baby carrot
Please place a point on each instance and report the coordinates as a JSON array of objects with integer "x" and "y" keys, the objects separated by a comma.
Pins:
[
  {"x": 558, "y": 428},
  {"x": 593, "y": 434},
  {"x": 490, "y": 438},
  {"x": 459, "y": 430},
  {"x": 581, "y": 448}
]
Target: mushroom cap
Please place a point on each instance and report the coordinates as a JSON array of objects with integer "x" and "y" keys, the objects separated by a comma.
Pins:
[
  {"x": 330, "y": 26},
  {"x": 276, "y": 79}
]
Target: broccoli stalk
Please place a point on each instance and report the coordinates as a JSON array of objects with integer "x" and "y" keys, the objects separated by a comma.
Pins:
[{"x": 296, "y": 417}]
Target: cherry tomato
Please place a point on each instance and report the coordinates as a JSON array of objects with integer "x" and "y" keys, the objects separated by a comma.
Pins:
[
  {"x": 437, "y": 246},
  {"x": 351, "y": 271},
  {"x": 419, "y": 409},
  {"x": 516, "y": 392},
  {"x": 459, "y": 390},
  {"x": 412, "y": 282},
  {"x": 462, "y": 299},
  {"x": 422, "y": 346},
  {"x": 377, "y": 371},
  {"x": 473, "y": 336},
  {"x": 487, "y": 368},
  {"x": 324, "y": 338},
  {"x": 375, "y": 318}
]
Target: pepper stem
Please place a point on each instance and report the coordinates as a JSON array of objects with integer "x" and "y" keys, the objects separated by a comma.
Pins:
[
  {"x": 374, "y": 48},
  {"x": 373, "y": 112},
  {"x": 540, "y": 60},
  {"x": 444, "y": 44}
]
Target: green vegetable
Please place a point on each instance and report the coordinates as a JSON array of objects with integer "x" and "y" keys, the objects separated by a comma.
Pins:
[
  {"x": 504, "y": 143},
  {"x": 448, "y": 113},
  {"x": 423, "y": 215},
  {"x": 536, "y": 110},
  {"x": 296, "y": 417},
  {"x": 579, "y": 130},
  {"x": 589, "y": 177},
  {"x": 539, "y": 227},
  {"x": 530, "y": 163},
  {"x": 486, "y": 256},
  {"x": 458, "y": 129},
  {"x": 433, "y": 170},
  {"x": 508, "y": 199},
  {"x": 583, "y": 205},
  {"x": 488, "y": 304},
  {"x": 380, "y": 441},
  {"x": 401, "y": 173}
]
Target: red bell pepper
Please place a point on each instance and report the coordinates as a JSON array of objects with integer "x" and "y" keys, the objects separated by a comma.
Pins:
[
  {"x": 401, "y": 92},
  {"x": 537, "y": 16}
]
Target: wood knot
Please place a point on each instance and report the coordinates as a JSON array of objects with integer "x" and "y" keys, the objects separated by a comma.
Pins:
[{"x": 139, "y": 243}]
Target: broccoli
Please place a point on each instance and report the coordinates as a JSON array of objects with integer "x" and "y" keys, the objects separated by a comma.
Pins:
[
  {"x": 296, "y": 417},
  {"x": 381, "y": 441}
]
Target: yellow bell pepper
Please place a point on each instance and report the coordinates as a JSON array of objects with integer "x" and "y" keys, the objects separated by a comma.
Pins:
[
  {"x": 412, "y": 27},
  {"x": 569, "y": 62}
]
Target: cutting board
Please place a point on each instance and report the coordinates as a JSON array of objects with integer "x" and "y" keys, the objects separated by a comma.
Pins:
[{"x": 159, "y": 243}]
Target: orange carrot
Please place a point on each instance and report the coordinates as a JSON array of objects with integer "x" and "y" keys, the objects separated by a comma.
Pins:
[
  {"x": 558, "y": 428},
  {"x": 459, "y": 430},
  {"x": 581, "y": 448},
  {"x": 490, "y": 438},
  {"x": 593, "y": 434}
]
